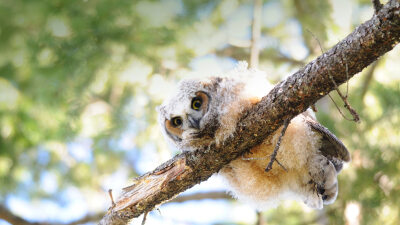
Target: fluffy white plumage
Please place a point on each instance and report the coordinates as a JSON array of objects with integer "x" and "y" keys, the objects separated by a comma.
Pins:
[{"x": 311, "y": 154}]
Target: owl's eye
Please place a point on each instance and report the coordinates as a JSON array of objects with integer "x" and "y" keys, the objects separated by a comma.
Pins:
[
  {"x": 196, "y": 103},
  {"x": 176, "y": 121}
]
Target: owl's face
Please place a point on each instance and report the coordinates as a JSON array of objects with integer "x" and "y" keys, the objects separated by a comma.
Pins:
[
  {"x": 188, "y": 117},
  {"x": 185, "y": 116},
  {"x": 206, "y": 111}
]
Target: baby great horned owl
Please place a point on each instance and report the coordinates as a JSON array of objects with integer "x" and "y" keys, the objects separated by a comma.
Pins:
[{"x": 310, "y": 153}]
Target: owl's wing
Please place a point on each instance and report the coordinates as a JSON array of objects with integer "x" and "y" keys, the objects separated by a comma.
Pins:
[{"x": 331, "y": 146}]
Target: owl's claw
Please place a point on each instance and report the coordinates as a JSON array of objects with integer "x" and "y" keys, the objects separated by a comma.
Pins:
[{"x": 324, "y": 179}]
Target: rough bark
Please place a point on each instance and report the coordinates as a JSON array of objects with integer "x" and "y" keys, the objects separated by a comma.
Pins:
[{"x": 288, "y": 98}]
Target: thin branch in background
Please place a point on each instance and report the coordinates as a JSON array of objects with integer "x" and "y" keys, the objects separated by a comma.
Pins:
[
  {"x": 240, "y": 51},
  {"x": 217, "y": 195},
  {"x": 377, "y": 5},
  {"x": 338, "y": 108},
  {"x": 278, "y": 144},
  {"x": 353, "y": 112},
  {"x": 8, "y": 216},
  {"x": 314, "y": 108},
  {"x": 201, "y": 196},
  {"x": 260, "y": 220},
  {"x": 368, "y": 78},
  {"x": 283, "y": 58},
  {"x": 111, "y": 197},
  {"x": 239, "y": 43},
  {"x": 144, "y": 218},
  {"x": 256, "y": 33},
  {"x": 315, "y": 38},
  {"x": 89, "y": 218}
]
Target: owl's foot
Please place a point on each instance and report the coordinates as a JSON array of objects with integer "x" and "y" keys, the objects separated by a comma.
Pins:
[{"x": 323, "y": 183}]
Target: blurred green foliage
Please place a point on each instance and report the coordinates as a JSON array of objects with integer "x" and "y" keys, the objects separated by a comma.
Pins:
[{"x": 91, "y": 72}]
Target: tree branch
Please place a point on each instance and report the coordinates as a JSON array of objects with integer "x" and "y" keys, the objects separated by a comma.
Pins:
[
  {"x": 201, "y": 196},
  {"x": 367, "y": 80},
  {"x": 8, "y": 216},
  {"x": 241, "y": 53},
  {"x": 260, "y": 219},
  {"x": 256, "y": 33},
  {"x": 288, "y": 98}
]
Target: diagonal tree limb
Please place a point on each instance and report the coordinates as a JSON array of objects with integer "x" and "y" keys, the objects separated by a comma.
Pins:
[{"x": 288, "y": 98}]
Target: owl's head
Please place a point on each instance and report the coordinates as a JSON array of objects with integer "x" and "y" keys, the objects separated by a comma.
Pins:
[
  {"x": 190, "y": 117},
  {"x": 206, "y": 111}
]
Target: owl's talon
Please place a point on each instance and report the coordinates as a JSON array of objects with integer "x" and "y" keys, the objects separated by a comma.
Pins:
[{"x": 324, "y": 174}]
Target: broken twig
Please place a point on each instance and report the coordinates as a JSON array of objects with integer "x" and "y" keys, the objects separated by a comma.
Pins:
[
  {"x": 144, "y": 218},
  {"x": 377, "y": 5},
  {"x": 111, "y": 197},
  {"x": 356, "y": 117},
  {"x": 278, "y": 144}
]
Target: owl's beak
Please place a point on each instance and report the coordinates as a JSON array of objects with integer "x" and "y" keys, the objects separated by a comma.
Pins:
[{"x": 194, "y": 123}]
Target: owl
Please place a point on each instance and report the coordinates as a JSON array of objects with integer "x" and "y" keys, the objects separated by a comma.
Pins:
[{"x": 311, "y": 155}]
